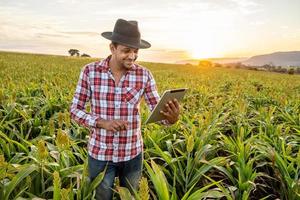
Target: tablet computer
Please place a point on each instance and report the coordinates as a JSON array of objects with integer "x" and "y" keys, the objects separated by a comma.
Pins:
[{"x": 167, "y": 96}]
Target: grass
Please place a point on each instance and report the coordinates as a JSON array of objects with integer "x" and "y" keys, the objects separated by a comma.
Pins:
[{"x": 238, "y": 136}]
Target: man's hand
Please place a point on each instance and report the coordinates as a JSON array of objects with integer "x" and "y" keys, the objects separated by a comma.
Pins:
[
  {"x": 112, "y": 125},
  {"x": 171, "y": 111}
]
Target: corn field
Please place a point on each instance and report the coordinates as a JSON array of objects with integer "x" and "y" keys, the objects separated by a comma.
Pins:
[{"x": 238, "y": 136}]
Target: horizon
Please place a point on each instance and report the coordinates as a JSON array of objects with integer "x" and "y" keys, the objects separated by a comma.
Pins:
[{"x": 190, "y": 30}]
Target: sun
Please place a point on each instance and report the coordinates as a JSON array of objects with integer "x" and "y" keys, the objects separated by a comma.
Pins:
[
  {"x": 202, "y": 44},
  {"x": 203, "y": 48}
]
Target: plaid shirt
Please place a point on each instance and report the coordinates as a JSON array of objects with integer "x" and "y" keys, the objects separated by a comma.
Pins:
[{"x": 109, "y": 101}]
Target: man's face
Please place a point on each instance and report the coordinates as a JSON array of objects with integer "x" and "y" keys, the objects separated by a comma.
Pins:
[{"x": 125, "y": 56}]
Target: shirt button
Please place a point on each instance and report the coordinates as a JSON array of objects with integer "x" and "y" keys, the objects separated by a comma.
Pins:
[{"x": 118, "y": 90}]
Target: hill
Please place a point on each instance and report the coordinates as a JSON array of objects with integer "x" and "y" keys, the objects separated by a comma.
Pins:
[{"x": 289, "y": 58}]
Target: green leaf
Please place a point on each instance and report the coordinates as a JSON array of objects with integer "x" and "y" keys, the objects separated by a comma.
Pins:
[
  {"x": 95, "y": 183},
  {"x": 158, "y": 179},
  {"x": 124, "y": 193},
  {"x": 23, "y": 173}
]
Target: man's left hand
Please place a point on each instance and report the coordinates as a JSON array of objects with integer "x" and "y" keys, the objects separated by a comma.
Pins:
[{"x": 171, "y": 111}]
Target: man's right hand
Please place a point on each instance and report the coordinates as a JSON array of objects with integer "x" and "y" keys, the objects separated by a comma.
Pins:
[{"x": 112, "y": 125}]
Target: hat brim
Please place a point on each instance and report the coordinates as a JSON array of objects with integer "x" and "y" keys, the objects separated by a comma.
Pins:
[{"x": 143, "y": 44}]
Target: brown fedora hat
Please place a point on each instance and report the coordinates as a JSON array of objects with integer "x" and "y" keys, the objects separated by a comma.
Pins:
[{"x": 127, "y": 33}]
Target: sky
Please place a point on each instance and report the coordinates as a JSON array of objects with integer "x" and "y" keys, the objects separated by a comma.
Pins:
[{"x": 177, "y": 29}]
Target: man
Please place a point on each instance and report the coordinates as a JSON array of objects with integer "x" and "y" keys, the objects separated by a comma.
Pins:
[{"x": 114, "y": 86}]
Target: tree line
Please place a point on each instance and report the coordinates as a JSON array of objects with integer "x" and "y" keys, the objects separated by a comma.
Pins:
[
  {"x": 266, "y": 67},
  {"x": 75, "y": 52}
]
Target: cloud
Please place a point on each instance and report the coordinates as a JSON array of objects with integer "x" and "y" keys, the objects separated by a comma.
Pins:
[
  {"x": 169, "y": 26},
  {"x": 47, "y": 35},
  {"x": 89, "y": 34},
  {"x": 163, "y": 55},
  {"x": 248, "y": 6}
]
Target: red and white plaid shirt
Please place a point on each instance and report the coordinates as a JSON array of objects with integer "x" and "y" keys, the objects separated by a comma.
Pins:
[{"x": 109, "y": 101}]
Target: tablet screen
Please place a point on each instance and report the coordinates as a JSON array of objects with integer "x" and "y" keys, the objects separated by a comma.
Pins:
[{"x": 168, "y": 95}]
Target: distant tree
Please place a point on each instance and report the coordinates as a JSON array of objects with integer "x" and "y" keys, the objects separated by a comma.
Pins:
[
  {"x": 85, "y": 55},
  {"x": 73, "y": 52},
  {"x": 205, "y": 63},
  {"x": 291, "y": 71},
  {"x": 284, "y": 70},
  {"x": 251, "y": 67},
  {"x": 218, "y": 65},
  {"x": 272, "y": 68},
  {"x": 271, "y": 64},
  {"x": 278, "y": 69},
  {"x": 267, "y": 66},
  {"x": 238, "y": 65}
]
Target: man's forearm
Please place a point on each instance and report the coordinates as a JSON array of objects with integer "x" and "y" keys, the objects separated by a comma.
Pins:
[
  {"x": 100, "y": 123},
  {"x": 82, "y": 117}
]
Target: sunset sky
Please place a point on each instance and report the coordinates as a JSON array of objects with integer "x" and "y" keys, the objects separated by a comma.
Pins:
[{"x": 177, "y": 29}]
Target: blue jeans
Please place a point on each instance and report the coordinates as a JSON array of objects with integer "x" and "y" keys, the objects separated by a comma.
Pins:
[{"x": 129, "y": 173}]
